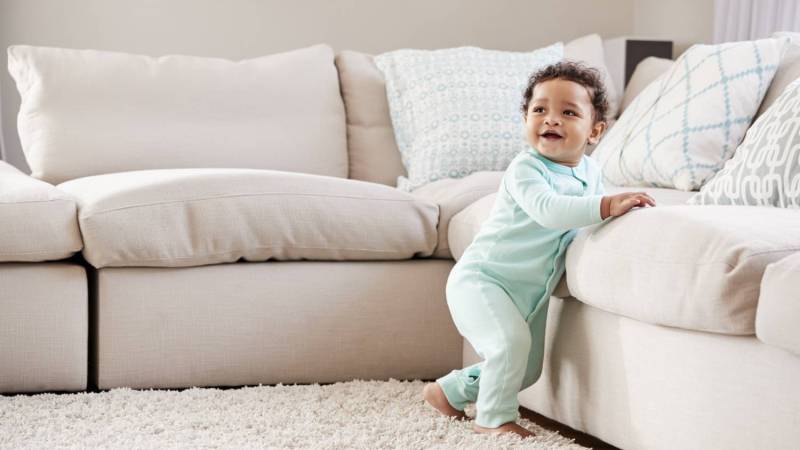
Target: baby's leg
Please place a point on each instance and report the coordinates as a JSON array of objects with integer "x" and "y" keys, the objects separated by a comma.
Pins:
[
  {"x": 536, "y": 324},
  {"x": 486, "y": 316}
]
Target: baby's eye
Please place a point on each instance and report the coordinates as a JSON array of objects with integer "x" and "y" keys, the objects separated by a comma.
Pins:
[
  {"x": 570, "y": 112},
  {"x": 537, "y": 109}
]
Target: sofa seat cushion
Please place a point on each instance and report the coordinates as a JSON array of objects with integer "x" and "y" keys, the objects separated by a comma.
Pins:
[
  {"x": 693, "y": 267},
  {"x": 193, "y": 217},
  {"x": 453, "y": 195},
  {"x": 778, "y": 310},
  {"x": 37, "y": 221}
]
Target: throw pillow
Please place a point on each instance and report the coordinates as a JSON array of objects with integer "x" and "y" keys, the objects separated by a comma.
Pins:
[
  {"x": 765, "y": 171},
  {"x": 456, "y": 111},
  {"x": 683, "y": 127}
]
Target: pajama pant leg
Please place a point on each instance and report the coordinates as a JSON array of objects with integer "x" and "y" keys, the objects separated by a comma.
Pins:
[{"x": 486, "y": 316}]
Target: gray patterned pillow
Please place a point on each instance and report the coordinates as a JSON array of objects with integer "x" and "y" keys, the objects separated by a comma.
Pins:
[{"x": 765, "y": 170}]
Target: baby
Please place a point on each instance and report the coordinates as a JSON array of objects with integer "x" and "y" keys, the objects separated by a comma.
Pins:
[{"x": 498, "y": 292}]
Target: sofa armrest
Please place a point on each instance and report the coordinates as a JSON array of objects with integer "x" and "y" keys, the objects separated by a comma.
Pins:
[
  {"x": 778, "y": 311},
  {"x": 37, "y": 221}
]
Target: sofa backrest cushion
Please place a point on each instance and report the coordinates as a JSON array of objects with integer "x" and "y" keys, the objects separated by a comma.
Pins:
[
  {"x": 645, "y": 73},
  {"x": 372, "y": 148},
  {"x": 788, "y": 71},
  {"x": 88, "y": 112},
  {"x": 373, "y": 152}
]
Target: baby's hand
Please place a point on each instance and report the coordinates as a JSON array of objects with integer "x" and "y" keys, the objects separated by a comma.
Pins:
[{"x": 617, "y": 205}]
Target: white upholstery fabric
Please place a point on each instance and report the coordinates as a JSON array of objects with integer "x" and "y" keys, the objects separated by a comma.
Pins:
[
  {"x": 44, "y": 327},
  {"x": 37, "y": 221},
  {"x": 452, "y": 196},
  {"x": 641, "y": 386},
  {"x": 371, "y": 147},
  {"x": 694, "y": 267},
  {"x": 788, "y": 71},
  {"x": 88, "y": 112},
  {"x": 778, "y": 313},
  {"x": 276, "y": 322},
  {"x": 647, "y": 71},
  {"x": 191, "y": 217}
]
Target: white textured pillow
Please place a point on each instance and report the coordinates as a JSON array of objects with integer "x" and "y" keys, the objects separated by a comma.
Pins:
[
  {"x": 765, "y": 171},
  {"x": 87, "y": 112},
  {"x": 683, "y": 127},
  {"x": 457, "y": 111}
]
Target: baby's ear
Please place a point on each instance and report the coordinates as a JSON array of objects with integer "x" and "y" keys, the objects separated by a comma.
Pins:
[{"x": 597, "y": 131}]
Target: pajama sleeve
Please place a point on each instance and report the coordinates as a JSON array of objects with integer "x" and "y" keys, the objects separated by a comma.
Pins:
[{"x": 527, "y": 184}]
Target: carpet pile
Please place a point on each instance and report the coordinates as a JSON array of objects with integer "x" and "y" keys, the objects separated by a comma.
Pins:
[{"x": 355, "y": 414}]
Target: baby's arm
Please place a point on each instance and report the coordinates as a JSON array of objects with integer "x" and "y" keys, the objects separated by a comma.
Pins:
[
  {"x": 528, "y": 186},
  {"x": 530, "y": 189}
]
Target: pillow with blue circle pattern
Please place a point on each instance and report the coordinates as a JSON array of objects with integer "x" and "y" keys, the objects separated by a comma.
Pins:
[
  {"x": 457, "y": 111},
  {"x": 683, "y": 127}
]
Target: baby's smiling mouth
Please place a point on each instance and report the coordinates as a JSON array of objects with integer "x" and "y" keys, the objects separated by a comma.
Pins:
[{"x": 549, "y": 134}]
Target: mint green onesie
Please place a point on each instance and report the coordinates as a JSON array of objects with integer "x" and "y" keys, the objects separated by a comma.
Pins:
[{"x": 499, "y": 290}]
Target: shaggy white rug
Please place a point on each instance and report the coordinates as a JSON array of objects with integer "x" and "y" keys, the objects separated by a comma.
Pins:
[{"x": 356, "y": 414}]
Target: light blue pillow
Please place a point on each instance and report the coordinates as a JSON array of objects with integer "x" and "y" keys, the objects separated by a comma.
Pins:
[
  {"x": 457, "y": 111},
  {"x": 682, "y": 127}
]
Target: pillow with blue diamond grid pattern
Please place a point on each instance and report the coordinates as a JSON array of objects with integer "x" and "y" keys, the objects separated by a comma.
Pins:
[
  {"x": 456, "y": 111},
  {"x": 765, "y": 170},
  {"x": 682, "y": 128}
]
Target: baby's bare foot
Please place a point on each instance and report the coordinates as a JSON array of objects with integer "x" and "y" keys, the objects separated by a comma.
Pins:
[
  {"x": 510, "y": 427},
  {"x": 434, "y": 395}
]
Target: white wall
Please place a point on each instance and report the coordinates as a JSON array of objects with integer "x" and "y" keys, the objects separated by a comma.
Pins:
[
  {"x": 685, "y": 22},
  {"x": 246, "y": 28}
]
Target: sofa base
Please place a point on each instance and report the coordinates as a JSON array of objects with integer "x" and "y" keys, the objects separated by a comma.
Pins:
[
  {"x": 44, "y": 318},
  {"x": 273, "y": 322},
  {"x": 637, "y": 385}
]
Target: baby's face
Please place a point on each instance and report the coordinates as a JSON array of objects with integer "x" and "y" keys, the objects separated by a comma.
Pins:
[{"x": 560, "y": 121}]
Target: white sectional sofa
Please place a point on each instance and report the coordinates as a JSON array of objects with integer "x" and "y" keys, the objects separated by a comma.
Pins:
[
  {"x": 44, "y": 311},
  {"x": 299, "y": 262}
]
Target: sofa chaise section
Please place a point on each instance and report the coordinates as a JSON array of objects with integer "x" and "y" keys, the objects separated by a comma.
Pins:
[
  {"x": 641, "y": 364},
  {"x": 639, "y": 385},
  {"x": 44, "y": 315}
]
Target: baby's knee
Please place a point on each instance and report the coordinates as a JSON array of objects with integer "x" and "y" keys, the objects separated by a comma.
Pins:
[{"x": 516, "y": 343}]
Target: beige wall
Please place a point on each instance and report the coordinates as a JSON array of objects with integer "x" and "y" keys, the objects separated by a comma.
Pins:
[
  {"x": 245, "y": 28},
  {"x": 685, "y": 22}
]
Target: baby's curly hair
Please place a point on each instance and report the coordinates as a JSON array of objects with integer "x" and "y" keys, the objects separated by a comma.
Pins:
[{"x": 587, "y": 77}]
